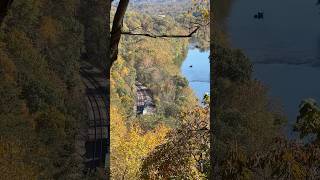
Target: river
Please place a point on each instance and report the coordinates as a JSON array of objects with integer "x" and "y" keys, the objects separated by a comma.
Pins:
[
  {"x": 284, "y": 47},
  {"x": 199, "y": 74}
]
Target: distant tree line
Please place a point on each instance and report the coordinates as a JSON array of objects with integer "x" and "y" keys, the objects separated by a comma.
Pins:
[{"x": 246, "y": 126}]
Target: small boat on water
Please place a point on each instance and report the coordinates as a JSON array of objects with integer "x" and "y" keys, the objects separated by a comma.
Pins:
[{"x": 259, "y": 15}]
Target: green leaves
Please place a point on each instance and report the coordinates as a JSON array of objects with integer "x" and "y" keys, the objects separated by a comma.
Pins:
[
  {"x": 51, "y": 126},
  {"x": 233, "y": 65},
  {"x": 308, "y": 121},
  {"x": 40, "y": 104}
]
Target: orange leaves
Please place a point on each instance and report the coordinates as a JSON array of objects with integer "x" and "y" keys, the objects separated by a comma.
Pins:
[{"x": 50, "y": 29}]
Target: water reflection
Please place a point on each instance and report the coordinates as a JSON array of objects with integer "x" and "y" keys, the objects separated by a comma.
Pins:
[
  {"x": 198, "y": 74},
  {"x": 284, "y": 46}
]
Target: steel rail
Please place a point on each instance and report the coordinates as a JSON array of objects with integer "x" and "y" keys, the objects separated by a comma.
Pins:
[
  {"x": 94, "y": 119},
  {"x": 98, "y": 88}
]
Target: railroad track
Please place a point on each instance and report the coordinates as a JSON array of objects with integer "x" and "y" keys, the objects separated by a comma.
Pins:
[
  {"x": 144, "y": 98},
  {"x": 97, "y": 144}
]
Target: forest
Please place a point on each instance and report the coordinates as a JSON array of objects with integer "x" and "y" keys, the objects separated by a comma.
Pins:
[
  {"x": 248, "y": 131},
  {"x": 234, "y": 134},
  {"x": 158, "y": 145},
  {"x": 40, "y": 123},
  {"x": 247, "y": 137},
  {"x": 43, "y": 124}
]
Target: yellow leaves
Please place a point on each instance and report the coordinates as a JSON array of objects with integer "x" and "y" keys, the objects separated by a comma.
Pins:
[
  {"x": 200, "y": 11},
  {"x": 296, "y": 169},
  {"x": 136, "y": 146},
  {"x": 160, "y": 53},
  {"x": 117, "y": 126},
  {"x": 12, "y": 164},
  {"x": 49, "y": 29},
  {"x": 21, "y": 47},
  {"x": 130, "y": 145},
  {"x": 184, "y": 149},
  {"x": 7, "y": 67},
  {"x": 119, "y": 70},
  {"x": 125, "y": 71},
  {"x": 205, "y": 13}
]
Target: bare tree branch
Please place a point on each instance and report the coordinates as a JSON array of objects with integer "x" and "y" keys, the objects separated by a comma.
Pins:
[
  {"x": 117, "y": 25},
  {"x": 162, "y": 35}
]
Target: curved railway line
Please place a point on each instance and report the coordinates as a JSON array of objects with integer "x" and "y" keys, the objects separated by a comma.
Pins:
[
  {"x": 92, "y": 112},
  {"x": 98, "y": 132}
]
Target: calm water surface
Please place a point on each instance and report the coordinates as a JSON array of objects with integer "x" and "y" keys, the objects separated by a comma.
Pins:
[
  {"x": 199, "y": 74},
  {"x": 284, "y": 46}
]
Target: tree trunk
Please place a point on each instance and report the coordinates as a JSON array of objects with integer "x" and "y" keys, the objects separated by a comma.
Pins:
[
  {"x": 116, "y": 29},
  {"x": 213, "y": 95}
]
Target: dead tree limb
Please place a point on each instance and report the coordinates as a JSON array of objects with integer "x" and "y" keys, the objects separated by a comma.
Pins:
[{"x": 162, "y": 35}]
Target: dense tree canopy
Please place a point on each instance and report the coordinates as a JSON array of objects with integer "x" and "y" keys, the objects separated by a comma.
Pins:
[
  {"x": 40, "y": 94},
  {"x": 247, "y": 126},
  {"x": 141, "y": 60}
]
